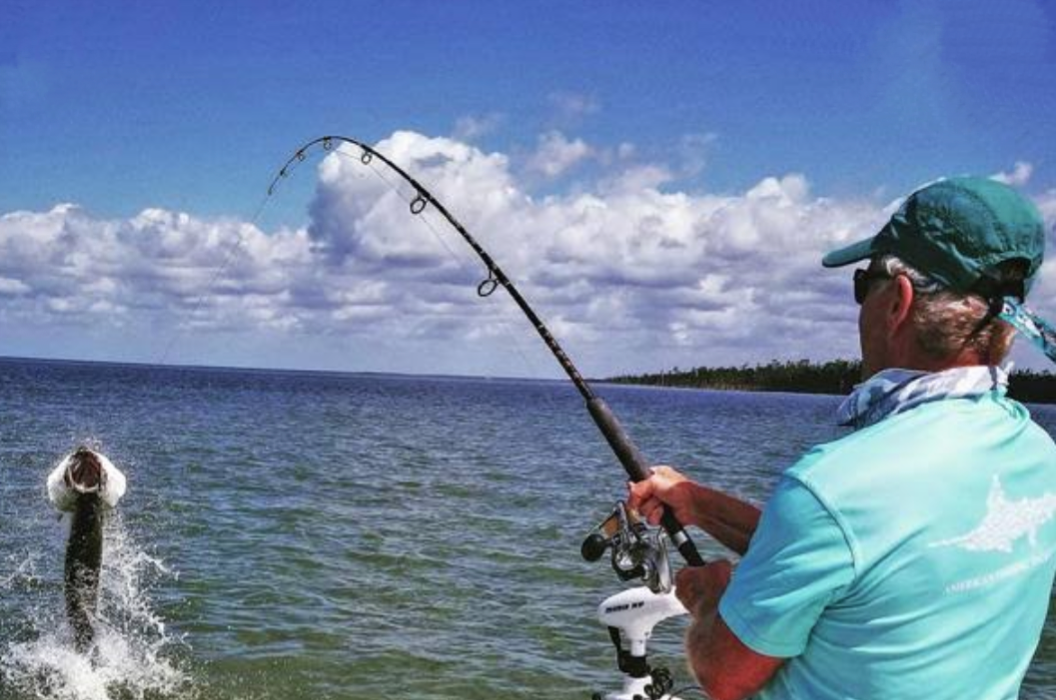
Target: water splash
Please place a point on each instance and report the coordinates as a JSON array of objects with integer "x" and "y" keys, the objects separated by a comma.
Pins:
[{"x": 136, "y": 657}]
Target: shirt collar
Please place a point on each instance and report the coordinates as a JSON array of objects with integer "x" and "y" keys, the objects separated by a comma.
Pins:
[{"x": 894, "y": 391}]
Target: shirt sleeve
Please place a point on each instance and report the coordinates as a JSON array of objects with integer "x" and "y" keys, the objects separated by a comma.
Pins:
[{"x": 798, "y": 562}]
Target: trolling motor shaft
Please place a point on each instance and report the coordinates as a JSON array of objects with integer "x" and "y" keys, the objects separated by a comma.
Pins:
[
  {"x": 636, "y": 552},
  {"x": 630, "y": 616}
]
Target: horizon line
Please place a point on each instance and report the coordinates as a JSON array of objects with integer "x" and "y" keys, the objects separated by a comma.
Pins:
[{"x": 290, "y": 370}]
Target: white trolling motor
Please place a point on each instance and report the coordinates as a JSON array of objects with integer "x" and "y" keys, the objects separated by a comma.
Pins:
[{"x": 638, "y": 552}]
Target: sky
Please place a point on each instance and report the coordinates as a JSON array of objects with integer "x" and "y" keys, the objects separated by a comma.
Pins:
[{"x": 659, "y": 179}]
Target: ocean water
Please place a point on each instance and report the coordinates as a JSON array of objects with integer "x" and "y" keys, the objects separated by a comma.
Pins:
[{"x": 301, "y": 535}]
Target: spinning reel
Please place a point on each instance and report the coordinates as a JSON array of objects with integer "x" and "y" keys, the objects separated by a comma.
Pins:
[{"x": 638, "y": 552}]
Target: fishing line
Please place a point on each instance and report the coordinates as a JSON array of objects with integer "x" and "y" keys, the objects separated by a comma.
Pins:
[
  {"x": 394, "y": 186},
  {"x": 200, "y": 299},
  {"x": 460, "y": 260},
  {"x": 424, "y": 219},
  {"x": 229, "y": 255}
]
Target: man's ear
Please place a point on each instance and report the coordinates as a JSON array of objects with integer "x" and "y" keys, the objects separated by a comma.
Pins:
[{"x": 900, "y": 303}]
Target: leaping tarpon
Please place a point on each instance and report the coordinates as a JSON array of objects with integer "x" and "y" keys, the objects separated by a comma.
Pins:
[{"x": 85, "y": 484}]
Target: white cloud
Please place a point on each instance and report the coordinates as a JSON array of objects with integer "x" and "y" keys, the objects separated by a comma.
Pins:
[
  {"x": 628, "y": 261},
  {"x": 636, "y": 178},
  {"x": 469, "y": 128},
  {"x": 11, "y": 287},
  {"x": 628, "y": 276},
  {"x": 1019, "y": 175},
  {"x": 90, "y": 271},
  {"x": 556, "y": 154},
  {"x": 1047, "y": 206}
]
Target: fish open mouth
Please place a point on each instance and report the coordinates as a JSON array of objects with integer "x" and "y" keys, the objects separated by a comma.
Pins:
[{"x": 84, "y": 472}]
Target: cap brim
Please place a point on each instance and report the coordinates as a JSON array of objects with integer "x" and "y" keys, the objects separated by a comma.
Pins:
[{"x": 850, "y": 254}]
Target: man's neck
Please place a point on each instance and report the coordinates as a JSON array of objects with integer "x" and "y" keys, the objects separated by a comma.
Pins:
[{"x": 909, "y": 355}]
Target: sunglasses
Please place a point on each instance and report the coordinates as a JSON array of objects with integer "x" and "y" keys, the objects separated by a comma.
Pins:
[{"x": 863, "y": 279}]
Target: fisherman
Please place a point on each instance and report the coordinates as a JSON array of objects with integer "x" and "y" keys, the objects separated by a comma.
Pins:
[
  {"x": 86, "y": 484},
  {"x": 912, "y": 558}
]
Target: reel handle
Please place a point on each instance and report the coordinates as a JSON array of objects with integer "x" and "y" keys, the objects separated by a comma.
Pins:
[
  {"x": 638, "y": 469},
  {"x": 594, "y": 546}
]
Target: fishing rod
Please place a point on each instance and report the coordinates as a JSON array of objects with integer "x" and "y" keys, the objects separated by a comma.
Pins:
[{"x": 635, "y": 464}]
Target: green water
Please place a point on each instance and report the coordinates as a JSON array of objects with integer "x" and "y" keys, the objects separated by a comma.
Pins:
[{"x": 295, "y": 536}]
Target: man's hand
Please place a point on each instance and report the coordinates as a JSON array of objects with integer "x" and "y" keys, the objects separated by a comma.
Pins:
[
  {"x": 700, "y": 587},
  {"x": 667, "y": 487},
  {"x": 728, "y": 519}
]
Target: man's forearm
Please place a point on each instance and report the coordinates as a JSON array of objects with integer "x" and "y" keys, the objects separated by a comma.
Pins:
[
  {"x": 729, "y": 520},
  {"x": 724, "y": 667},
  {"x": 699, "y": 649}
]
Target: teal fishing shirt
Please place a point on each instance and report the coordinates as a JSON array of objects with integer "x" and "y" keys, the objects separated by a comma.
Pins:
[{"x": 913, "y": 558}]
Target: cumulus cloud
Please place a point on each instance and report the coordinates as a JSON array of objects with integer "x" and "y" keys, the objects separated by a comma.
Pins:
[
  {"x": 67, "y": 265},
  {"x": 470, "y": 127},
  {"x": 556, "y": 154},
  {"x": 10, "y": 287},
  {"x": 628, "y": 275},
  {"x": 1018, "y": 176}
]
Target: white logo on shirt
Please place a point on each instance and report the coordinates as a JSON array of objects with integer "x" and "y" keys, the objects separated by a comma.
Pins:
[{"x": 1005, "y": 522}]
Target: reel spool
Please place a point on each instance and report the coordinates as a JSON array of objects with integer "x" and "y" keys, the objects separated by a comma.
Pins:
[{"x": 637, "y": 551}]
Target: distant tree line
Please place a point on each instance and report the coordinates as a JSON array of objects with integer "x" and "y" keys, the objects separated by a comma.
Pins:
[
  {"x": 804, "y": 376},
  {"x": 1032, "y": 387}
]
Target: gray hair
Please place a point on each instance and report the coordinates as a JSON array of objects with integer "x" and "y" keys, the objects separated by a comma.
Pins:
[{"x": 948, "y": 322}]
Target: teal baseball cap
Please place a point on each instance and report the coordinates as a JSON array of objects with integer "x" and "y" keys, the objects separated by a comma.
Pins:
[{"x": 958, "y": 231}]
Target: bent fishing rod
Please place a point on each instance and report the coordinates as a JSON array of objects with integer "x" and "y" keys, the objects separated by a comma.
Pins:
[{"x": 630, "y": 457}]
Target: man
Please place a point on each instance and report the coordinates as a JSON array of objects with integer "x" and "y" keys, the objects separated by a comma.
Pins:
[{"x": 912, "y": 558}]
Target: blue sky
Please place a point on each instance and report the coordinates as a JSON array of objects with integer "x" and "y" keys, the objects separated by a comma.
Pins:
[{"x": 739, "y": 122}]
